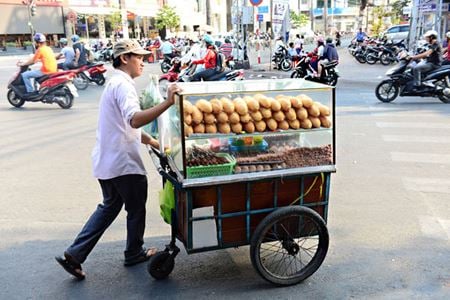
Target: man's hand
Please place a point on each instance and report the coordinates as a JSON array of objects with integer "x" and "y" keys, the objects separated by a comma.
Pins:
[
  {"x": 171, "y": 91},
  {"x": 154, "y": 143}
]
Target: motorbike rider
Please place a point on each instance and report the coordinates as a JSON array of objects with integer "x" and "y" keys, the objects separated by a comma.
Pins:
[
  {"x": 80, "y": 52},
  {"x": 279, "y": 45},
  {"x": 43, "y": 53},
  {"x": 446, "y": 50},
  {"x": 167, "y": 49},
  {"x": 432, "y": 57},
  {"x": 316, "y": 55},
  {"x": 209, "y": 61},
  {"x": 330, "y": 54},
  {"x": 360, "y": 36},
  {"x": 67, "y": 53}
]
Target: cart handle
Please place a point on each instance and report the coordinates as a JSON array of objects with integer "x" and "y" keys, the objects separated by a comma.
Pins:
[{"x": 160, "y": 168}]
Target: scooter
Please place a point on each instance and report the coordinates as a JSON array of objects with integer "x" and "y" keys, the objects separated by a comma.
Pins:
[
  {"x": 435, "y": 84},
  {"x": 282, "y": 60},
  {"x": 89, "y": 73},
  {"x": 104, "y": 54},
  {"x": 329, "y": 75},
  {"x": 53, "y": 88}
]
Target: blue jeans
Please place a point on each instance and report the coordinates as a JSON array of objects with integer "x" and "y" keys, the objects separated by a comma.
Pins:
[
  {"x": 26, "y": 76},
  {"x": 130, "y": 190}
]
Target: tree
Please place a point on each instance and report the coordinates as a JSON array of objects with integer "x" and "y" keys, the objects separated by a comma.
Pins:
[
  {"x": 167, "y": 18},
  {"x": 298, "y": 20},
  {"x": 397, "y": 10},
  {"x": 115, "y": 19}
]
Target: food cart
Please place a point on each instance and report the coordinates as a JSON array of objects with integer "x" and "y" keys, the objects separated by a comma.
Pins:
[{"x": 249, "y": 163}]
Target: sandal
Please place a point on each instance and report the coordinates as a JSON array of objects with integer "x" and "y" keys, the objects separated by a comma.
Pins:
[
  {"x": 72, "y": 267},
  {"x": 145, "y": 255}
]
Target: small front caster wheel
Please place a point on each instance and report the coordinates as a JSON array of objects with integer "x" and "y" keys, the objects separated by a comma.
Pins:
[{"x": 161, "y": 265}]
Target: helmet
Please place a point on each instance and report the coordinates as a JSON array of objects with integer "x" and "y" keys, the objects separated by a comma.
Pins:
[
  {"x": 329, "y": 40},
  {"x": 39, "y": 38},
  {"x": 320, "y": 39},
  {"x": 208, "y": 39},
  {"x": 448, "y": 35},
  {"x": 63, "y": 41},
  {"x": 431, "y": 34},
  {"x": 75, "y": 38}
]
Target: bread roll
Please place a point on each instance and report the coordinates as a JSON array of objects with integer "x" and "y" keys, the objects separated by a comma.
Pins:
[
  {"x": 296, "y": 102},
  {"x": 211, "y": 128},
  {"x": 224, "y": 128},
  {"x": 199, "y": 128},
  {"x": 217, "y": 106},
  {"x": 324, "y": 110},
  {"x": 256, "y": 116},
  {"x": 306, "y": 124},
  {"x": 249, "y": 127},
  {"x": 291, "y": 114},
  {"x": 314, "y": 111},
  {"x": 240, "y": 106},
  {"x": 260, "y": 126},
  {"x": 275, "y": 105},
  {"x": 222, "y": 117},
  {"x": 252, "y": 104},
  {"x": 209, "y": 118},
  {"x": 188, "y": 119},
  {"x": 204, "y": 106},
  {"x": 187, "y": 107},
  {"x": 188, "y": 130},
  {"x": 264, "y": 101},
  {"x": 325, "y": 122},
  {"x": 302, "y": 113},
  {"x": 284, "y": 125},
  {"x": 227, "y": 105},
  {"x": 236, "y": 128},
  {"x": 197, "y": 116},
  {"x": 234, "y": 118},
  {"x": 272, "y": 124},
  {"x": 306, "y": 100},
  {"x": 245, "y": 118},
  {"x": 294, "y": 124},
  {"x": 266, "y": 113},
  {"x": 285, "y": 103},
  {"x": 278, "y": 116},
  {"x": 315, "y": 121}
]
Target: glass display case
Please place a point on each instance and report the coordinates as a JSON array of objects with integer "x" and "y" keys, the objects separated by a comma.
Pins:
[{"x": 232, "y": 130}]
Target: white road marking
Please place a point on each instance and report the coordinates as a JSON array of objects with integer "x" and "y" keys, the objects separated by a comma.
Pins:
[
  {"x": 428, "y": 185},
  {"x": 417, "y": 139},
  {"x": 432, "y": 228},
  {"x": 421, "y": 157},
  {"x": 413, "y": 125}
]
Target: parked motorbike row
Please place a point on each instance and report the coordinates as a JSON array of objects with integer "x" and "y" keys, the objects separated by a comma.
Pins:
[
  {"x": 59, "y": 88},
  {"x": 302, "y": 67},
  {"x": 372, "y": 51}
]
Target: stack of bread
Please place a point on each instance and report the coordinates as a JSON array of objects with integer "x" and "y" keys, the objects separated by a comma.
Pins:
[{"x": 254, "y": 114}]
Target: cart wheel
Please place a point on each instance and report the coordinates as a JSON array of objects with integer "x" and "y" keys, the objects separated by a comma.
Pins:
[
  {"x": 289, "y": 245},
  {"x": 161, "y": 265}
]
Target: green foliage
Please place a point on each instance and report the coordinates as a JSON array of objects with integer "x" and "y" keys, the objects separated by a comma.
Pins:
[
  {"x": 298, "y": 20},
  {"x": 167, "y": 18},
  {"x": 11, "y": 44},
  {"x": 397, "y": 10},
  {"x": 115, "y": 20}
]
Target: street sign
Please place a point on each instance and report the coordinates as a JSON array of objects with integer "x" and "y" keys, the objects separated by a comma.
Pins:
[
  {"x": 260, "y": 17},
  {"x": 256, "y": 2},
  {"x": 263, "y": 9}
]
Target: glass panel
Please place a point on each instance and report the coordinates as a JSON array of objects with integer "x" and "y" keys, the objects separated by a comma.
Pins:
[
  {"x": 393, "y": 30},
  {"x": 404, "y": 29}
]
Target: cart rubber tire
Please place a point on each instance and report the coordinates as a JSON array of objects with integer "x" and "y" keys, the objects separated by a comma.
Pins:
[
  {"x": 290, "y": 248},
  {"x": 161, "y": 265}
]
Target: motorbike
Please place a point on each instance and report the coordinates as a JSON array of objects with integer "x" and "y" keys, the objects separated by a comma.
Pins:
[
  {"x": 53, "y": 88},
  {"x": 89, "y": 73},
  {"x": 166, "y": 63},
  {"x": 386, "y": 53},
  {"x": 282, "y": 59},
  {"x": 178, "y": 74},
  {"x": 400, "y": 83},
  {"x": 329, "y": 75},
  {"x": 104, "y": 54}
]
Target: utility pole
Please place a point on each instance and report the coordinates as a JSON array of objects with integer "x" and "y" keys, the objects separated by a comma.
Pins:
[
  {"x": 311, "y": 14},
  {"x": 208, "y": 12},
  {"x": 31, "y": 5},
  {"x": 325, "y": 17}
]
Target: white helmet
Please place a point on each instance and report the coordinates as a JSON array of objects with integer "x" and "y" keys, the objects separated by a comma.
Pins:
[
  {"x": 431, "y": 34},
  {"x": 448, "y": 35}
]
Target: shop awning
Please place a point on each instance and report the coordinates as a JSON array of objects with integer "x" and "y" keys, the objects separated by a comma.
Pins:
[{"x": 89, "y": 10}]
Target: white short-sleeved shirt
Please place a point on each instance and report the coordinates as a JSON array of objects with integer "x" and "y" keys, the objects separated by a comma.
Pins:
[{"x": 117, "y": 147}]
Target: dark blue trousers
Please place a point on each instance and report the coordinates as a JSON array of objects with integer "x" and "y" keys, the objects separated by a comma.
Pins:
[{"x": 130, "y": 190}]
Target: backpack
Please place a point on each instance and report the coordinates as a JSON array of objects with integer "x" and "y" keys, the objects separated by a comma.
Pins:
[{"x": 220, "y": 61}]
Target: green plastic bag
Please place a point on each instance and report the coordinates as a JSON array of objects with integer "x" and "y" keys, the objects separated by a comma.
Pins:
[{"x": 167, "y": 202}]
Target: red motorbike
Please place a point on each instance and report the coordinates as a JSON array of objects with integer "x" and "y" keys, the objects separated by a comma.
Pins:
[
  {"x": 53, "y": 88},
  {"x": 87, "y": 74}
]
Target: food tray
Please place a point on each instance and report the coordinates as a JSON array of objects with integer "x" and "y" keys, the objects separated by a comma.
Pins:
[
  {"x": 257, "y": 148},
  {"x": 212, "y": 170}
]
